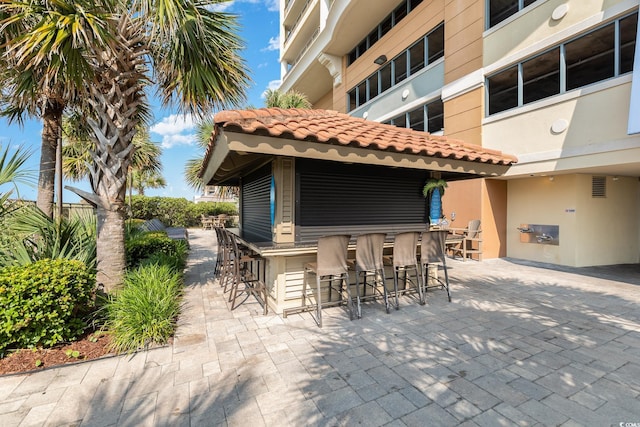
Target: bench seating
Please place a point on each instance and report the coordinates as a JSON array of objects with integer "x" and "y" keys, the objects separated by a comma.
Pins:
[{"x": 176, "y": 233}]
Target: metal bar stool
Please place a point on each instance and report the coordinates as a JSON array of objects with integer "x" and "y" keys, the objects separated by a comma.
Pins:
[
  {"x": 432, "y": 250},
  {"x": 242, "y": 275},
  {"x": 370, "y": 262},
  {"x": 405, "y": 260},
  {"x": 330, "y": 265}
]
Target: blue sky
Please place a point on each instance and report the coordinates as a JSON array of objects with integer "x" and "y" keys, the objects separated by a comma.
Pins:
[{"x": 176, "y": 133}]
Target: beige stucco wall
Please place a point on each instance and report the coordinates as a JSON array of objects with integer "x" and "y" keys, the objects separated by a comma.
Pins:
[
  {"x": 526, "y": 132},
  {"x": 535, "y": 25},
  {"x": 593, "y": 231},
  {"x": 417, "y": 24},
  {"x": 463, "y": 117},
  {"x": 464, "y": 22}
]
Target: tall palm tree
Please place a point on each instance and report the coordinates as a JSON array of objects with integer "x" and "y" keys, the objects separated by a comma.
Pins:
[
  {"x": 187, "y": 51},
  {"x": 33, "y": 91},
  {"x": 145, "y": 167},
  {"x": 193, "y": 165}
]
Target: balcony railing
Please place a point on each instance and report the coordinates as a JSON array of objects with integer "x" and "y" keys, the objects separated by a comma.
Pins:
[
  {"x": 304, "y": 50},
  {"x": 297, "y": 20}
]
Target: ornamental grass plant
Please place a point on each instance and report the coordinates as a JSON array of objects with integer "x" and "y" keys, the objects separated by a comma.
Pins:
[{"x": 145, "y": 311}]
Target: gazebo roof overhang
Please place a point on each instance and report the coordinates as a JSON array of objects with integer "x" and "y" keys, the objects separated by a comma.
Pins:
[{"x": 243, "y": 140}]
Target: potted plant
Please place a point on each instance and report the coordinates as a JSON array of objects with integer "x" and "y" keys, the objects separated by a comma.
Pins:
[{"x": 433, "y": 190}]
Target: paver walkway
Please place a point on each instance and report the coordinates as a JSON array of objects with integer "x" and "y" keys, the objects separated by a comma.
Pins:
[{"x": 519, "y": 344}]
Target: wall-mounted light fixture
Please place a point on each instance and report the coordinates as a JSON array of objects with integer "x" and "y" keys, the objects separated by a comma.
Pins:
[
  {"x": 551, "y": 178},
  {"x": 380, "y": 60}
]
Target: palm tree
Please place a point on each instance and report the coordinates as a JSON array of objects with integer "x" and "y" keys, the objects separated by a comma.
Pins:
[
  {"x": 290, "y": 99},
  {"x": 32, "y": 91},
  {"x": 143, "y": 179},
  {"x": 193, "y": 165},
  {"x": 187, "y": 51},
  {"x": 274, "y": 98},
  {"x": 77, "y": 148}
]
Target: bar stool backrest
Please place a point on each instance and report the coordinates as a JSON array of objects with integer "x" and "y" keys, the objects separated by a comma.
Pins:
[
  {"x": 405, "y": 249},
  {"x": 332, "y": 255},
  {"x": 369, "y": 251},
  {"x": 432, "y": 246}
]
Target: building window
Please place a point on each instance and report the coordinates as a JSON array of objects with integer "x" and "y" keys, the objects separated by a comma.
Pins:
[
  {"x": 431, "y": 113},
  {"x": 541, "y": 76},
  {"x": 503, "y": 90},
  {"x": 400, "y": 67},
  {"x": 499, "y": 10},
  {"x": 381, "y": 29},
  {"x": 627, "y": 29},
  {"x": 593, "y": 57},
  {"x": 416, "y": 56},
  {"x": 406, "y": 64}
]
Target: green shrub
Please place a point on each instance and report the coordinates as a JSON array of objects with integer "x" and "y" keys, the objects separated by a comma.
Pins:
[
  {"x": 145, "y": 311},
  {"x": 44, "y": 303},
  {"x": 177, "y": 212},
  {"x": 144, "y": 245},
  {"x": 176, "y": 262}
]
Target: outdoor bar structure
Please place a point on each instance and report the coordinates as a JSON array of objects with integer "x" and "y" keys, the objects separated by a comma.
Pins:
[{"x": 303, "y": 174}]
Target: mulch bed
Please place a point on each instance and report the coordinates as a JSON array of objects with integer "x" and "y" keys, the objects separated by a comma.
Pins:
[{"x": 89, "y": 347}]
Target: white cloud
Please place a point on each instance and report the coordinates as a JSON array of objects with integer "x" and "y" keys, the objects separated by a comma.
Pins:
[
  {"x": 274, "y": 44},
  {"x": 220, "y": 7},
  {"x": 273, "y": 85},
  {"x": 273, "y": 5},
  {"x": 176, "y": 129}
]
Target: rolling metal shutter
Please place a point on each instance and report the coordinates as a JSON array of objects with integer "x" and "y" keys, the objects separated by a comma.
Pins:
[
  {"x": 338, "y": 194},
  {"x": 256, "y": 217}
]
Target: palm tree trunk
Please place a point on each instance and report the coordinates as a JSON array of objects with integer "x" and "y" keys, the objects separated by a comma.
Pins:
[
  {"x": 115, "y": 98},
  {"x": 110, "y": 249},
  {"x": 52, "y": 128}
]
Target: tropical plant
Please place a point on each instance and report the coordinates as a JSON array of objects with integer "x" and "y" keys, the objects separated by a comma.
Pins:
[
  {"x": 12, "y": 173},
  {"x": 274, "y": 98},
  {"x": 38, "y": 78},
  {"x": 145, "y": 310},
  {"x": 77, "y": 147},
  {"x": 289, "y": 99},
  {"x": 434, "y": 190},
  {"x": 141, "y": 180},
  {"x": 117, "y": 49},
  {"x": 193, "y": 165},
  {"x": 35, "y": 236}
]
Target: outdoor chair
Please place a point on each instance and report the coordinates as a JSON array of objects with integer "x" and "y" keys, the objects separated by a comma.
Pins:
[
  {"x": 470, "y": 240},
  {"x": 432, "y": 250},
  {"x": 330, "y": 266},
  {"x": 207, "y": 222},
  {"x": 243, "y": 279},
  {"x": 405, "y": 261},
  {"x": 221, "y": 220},
  {"x": 369, "y": 263},
  {"x": 217, "y": 270}
]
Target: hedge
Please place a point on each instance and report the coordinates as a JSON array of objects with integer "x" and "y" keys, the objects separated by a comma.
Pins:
[
  {"x": 44, "y": 303},
  {"x": 177, "y": 212}
]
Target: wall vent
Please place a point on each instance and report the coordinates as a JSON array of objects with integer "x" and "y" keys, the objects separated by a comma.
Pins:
[{"x": 598, "y": 186}]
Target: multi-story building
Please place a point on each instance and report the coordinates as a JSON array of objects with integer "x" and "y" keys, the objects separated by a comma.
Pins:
[{"x": 548, "y": 81}]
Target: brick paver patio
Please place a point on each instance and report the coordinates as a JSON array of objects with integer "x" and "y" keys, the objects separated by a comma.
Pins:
[{"x": 519, "y": 345}]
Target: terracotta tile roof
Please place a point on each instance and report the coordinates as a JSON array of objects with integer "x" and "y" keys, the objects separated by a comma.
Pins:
[{"x": 331, "y": 127}]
